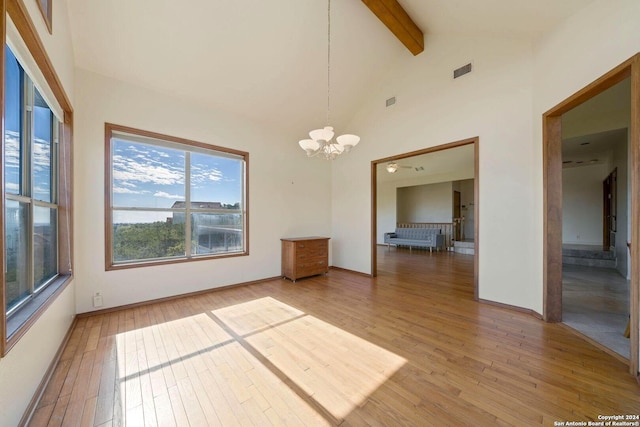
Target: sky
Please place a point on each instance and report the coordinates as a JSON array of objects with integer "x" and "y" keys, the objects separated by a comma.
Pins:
[
  {"x": 143, "y": 175},
  {"x": 153, "y": 176},
  {"x": 43, "y": 118}
]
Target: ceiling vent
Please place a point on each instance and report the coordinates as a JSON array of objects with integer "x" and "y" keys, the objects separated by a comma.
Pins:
[
  {"x": 391, "y": 101},
  {"x": 459, "y": 72}
]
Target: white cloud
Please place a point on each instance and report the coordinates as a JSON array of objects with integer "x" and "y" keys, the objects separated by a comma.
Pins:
[
  {"x": 167, "y": 195},
  {"x": 121, "y": 190},
  {"x": 12, "y": 187},
  {"x": 215, "y": 175},
  {"x": 11, "y": 149},
  {"x": 131, "y": 170}
]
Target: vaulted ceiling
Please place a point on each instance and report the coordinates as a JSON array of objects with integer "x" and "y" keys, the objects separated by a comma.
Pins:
[{"x": 266, "y": 60}]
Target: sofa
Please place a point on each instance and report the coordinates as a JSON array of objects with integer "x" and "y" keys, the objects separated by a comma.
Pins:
[{"x": 415, "y": 238}]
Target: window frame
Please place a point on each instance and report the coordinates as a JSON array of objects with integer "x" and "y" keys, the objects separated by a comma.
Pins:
[
  {"x": 47, "y": 13},
  {"x": 25, "y": 195},
  {"x": 27, "y": 317},
  {"x": 187, "y": 145}
]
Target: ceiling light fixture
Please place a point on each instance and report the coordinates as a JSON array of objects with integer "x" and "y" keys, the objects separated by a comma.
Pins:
[
  {"x": 392, "y": 167},
  {"x": 321, "y": 139}
]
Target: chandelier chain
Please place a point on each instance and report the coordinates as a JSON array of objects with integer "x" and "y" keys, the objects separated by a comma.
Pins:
[
  {"x": 328, "y": 62},
  {"x": 321, "y": 142}
]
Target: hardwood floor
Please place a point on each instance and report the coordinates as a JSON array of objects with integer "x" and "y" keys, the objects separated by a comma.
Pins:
[{"x": 408, "y": 348}]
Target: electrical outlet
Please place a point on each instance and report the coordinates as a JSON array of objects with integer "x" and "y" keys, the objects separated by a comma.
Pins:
[{"x": 97, "y": 299}]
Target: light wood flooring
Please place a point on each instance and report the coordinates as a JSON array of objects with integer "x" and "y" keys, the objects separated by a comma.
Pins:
[{"x": 408, "y": 348}]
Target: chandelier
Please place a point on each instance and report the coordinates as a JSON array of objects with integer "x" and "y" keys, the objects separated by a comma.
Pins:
[{"x": 322, "y": 143}]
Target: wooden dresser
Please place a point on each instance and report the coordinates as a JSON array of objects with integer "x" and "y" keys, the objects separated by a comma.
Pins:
[{"x": 304, "y": 256}]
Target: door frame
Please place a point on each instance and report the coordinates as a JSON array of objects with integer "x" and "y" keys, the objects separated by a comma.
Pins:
[
  {"x": 609, "y": 209},
  {"x": 457, "y": 204},
  {"x": 552, "y": 189},
  {"x": 476, "y": 194}
]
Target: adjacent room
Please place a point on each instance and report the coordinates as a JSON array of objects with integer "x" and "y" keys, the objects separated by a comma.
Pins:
[
  {"x": 200, "y": 197},
  {"x": 596, "y": 231}
]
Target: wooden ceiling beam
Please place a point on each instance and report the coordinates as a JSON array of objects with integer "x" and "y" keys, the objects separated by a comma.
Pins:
[{"x": 399, "y": 22}]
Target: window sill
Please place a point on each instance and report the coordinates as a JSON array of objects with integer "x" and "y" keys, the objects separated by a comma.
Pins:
[
  {"x": 165, "y": 261},
  {"x": 20, "y": 321}
]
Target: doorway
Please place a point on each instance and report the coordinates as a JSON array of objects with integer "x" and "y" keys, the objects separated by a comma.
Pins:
[
  {"x": 553, "y": 207},
  {"x": 403, "y": 157}
]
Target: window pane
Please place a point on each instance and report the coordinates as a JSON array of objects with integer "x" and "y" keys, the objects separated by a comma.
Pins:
[
  {"x": 46, "y": 10},
  {"x": 42, "y": 155},
  {"x": 13, "y": 120},
  {"x": 216, "y": 179},
  {"x": 45, "y": 244},
  {"x": 146, "y": 176},
  {"x": 17, "y": 250},
  {"x": 140, "y": 235},
  {"x": 45, "y": 5},
  {"x": 216, "y": 233}
]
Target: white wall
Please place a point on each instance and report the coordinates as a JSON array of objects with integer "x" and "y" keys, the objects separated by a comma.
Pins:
[
  {"x": 583, "y": 48},
  {"x": 502, "y": 102},
  {"x": 58, "y": 44},
  {"x": 494, "y": 103},
  {"x": 288, "y": 195},
  {"x": 582, "y": 204},
  {"x": 387, "y": 194},
  {"x": 22, "y": 369},
  {"x": 425, "y": 203}
]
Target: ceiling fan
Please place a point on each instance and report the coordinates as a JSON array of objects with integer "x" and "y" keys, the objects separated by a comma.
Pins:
[{"x": 393, "y": 167}]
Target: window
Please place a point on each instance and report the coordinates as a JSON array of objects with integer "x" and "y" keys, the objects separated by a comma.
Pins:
[
  {"x": 172, "y": 200},
  {"x": 47, "y": 12},
  {"x": 37, "y": 219},
  {"x": 30, "y": 189}
]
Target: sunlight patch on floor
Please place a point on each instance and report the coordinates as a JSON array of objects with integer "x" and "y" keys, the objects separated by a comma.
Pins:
[
  {"x": 194, "y": 366},
  {"x": 335, "y": 368}
]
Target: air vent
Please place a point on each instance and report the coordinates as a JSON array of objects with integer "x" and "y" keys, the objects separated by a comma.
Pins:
[
  {"x": 465, "y": 69},
  {"x": 391, "y": 101}
]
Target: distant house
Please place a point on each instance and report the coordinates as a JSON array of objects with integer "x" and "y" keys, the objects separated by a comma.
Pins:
[{"x": 212, "y": 231}]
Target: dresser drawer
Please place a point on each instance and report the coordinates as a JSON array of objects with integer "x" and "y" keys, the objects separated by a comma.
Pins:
[
  {"x": 310, "y": 253},
  {"x": 312, "y": 268},
  {"x": 312, "y": 245}
]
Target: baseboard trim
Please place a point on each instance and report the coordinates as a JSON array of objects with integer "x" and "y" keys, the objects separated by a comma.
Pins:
[
  {"x": 37, "y": 395},
  {"x": 346, "y": 270},
  {"x": 512, "y": 308},
  {"x": 171, "y": 298},
  {"x": 595, "y": 343}
]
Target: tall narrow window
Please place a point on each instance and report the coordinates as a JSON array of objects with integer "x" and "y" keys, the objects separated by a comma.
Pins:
[
  {"x": 172, "y": 200},
  {"x": 46, "y": 7},
  {"x": 30, "y": 189}
]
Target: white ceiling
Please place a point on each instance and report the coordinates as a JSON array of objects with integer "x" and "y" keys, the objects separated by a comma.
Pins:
[
  {"x": 266, "y": 60},
  {"x": 434, "y": 164},
  {"x": 609, "y": 109},
  {"x": 596, "y": 148}
]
